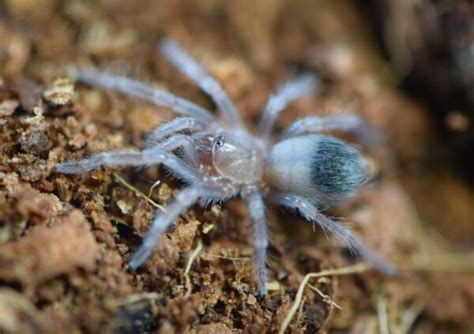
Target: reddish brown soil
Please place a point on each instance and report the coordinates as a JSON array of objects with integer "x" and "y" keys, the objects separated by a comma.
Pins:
[{"x": 65, "y": 240}]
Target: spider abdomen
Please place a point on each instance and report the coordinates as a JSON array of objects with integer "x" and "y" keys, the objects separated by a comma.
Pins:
[{"x": 322, "y": 168}]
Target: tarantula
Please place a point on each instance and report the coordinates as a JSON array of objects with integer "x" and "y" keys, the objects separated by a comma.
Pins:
[{"x": 219, "y": 159}]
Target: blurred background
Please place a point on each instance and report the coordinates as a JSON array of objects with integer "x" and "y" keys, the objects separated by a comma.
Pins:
[{"x": 407, "y": 67}]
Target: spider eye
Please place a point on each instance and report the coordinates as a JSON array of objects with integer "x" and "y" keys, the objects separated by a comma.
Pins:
[{"x": 219, "y": 141}]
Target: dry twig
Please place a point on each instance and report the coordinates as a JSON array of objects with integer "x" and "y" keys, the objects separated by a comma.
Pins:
[
  {"x": 358, "y": 268},
  {"x": 191, "y": 259}
]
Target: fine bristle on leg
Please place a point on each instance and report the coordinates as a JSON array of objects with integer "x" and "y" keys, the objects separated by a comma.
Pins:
[
  {"x": 110, "y": 159},
  {"x": 182, "y": 61},
  {"x": 188, "y": 124},
  {"x": 312, "y": 214},
  {"x": 256, "y": 209},
  {"x": 347, "y": 122},
  {"x": 185, "y": 199},
  {"x": 144, "y": 158},
  {"x": 145, "y": 92},
  {"x": 288, "y": 92}
]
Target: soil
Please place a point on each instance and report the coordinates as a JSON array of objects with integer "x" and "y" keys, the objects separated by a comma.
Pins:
[{"x": 65, "y": 240}]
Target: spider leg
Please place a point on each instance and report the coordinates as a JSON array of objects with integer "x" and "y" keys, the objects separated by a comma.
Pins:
[
  {"x": 183, "y": 201},
  {"x": 145, "y": 92},
  {"x": 288, "y": 92},
  {"x": 176, "y": 125},
  {"x": 146, "y": 157},
  {"x": 187, "y": 65},
  {"x": 348, "y": 122},
  {"x": 179, "y": 140},
  {"x": 312, "y": 214},
  {"x": 256, "y": 209}
]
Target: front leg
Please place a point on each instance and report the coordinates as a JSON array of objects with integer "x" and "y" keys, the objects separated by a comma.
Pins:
[
  {"x": 256, "y": 208},
  {"x": 312, "y": 214},
  {"x": 145, "y": 92},
  {"x": 144, "y": 158},
  {"x": 181, "y": 60},
  {"x": 176, "y": 125}
]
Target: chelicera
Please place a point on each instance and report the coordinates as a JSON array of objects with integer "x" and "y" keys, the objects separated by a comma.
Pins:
[{"x": 300, "y": 169}]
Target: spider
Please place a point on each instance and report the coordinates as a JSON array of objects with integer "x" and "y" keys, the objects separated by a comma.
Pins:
[{"x": 300, "y": 169}]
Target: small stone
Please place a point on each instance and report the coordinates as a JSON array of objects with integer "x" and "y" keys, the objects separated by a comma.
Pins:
[
  {"x": 7, "y": 107},
  {"x": 34, "y": 140},
  {"x": 207, "y": 228},
  {"x": 273, "y": 286},
  {"x": 124, "y": 206},
  {"x": 251, "y": 300},
  {"x": 164, "y": 193},
  {"x": 60, "y": 93},
  {"x": 37, "y": 118}
]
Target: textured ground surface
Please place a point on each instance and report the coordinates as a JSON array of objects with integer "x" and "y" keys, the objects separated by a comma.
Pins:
[{"x": 65, "y": 240}]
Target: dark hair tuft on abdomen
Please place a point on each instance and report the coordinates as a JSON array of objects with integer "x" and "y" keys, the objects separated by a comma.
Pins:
[{"x": 336, "y": 170}]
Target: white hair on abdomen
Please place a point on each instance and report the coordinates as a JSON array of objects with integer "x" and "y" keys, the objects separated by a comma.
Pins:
[{"x": 289, "y": 168}]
